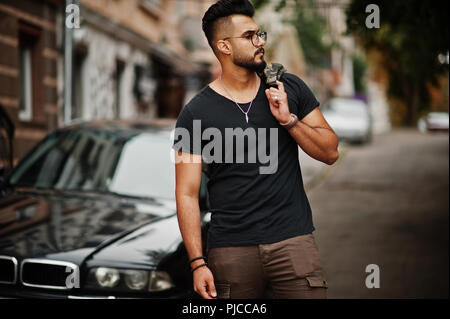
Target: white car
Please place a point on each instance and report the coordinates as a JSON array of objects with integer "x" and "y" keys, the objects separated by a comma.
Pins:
[
  {"x": 350, "y": 119},
  {"x": 434, "y": 121}
]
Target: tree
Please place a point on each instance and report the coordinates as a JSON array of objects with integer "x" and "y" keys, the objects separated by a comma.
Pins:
[
  {"x": 310, "y": 27},
  {"x": 411, "y": 37}
]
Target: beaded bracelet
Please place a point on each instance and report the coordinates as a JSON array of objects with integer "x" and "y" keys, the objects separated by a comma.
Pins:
[
  {"x": 291, "y": 123},
  {"x": 197, "y": 258},
  {"x": 195, "y": 268}
]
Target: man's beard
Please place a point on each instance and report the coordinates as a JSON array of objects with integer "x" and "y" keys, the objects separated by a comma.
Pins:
[{"x": 250, "y": 63}]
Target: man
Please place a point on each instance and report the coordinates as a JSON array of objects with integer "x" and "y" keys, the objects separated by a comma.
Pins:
[{"x": 260, "y": 241}]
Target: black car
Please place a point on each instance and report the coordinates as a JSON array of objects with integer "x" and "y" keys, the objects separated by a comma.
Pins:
[{"x": 91, "y": 212}]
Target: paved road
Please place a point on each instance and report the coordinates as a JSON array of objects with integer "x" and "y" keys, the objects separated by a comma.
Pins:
[{"x": 387, "y": 204}]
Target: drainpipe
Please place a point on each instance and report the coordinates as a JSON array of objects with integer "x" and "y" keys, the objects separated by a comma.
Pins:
[{"x": 68, "y": 33}]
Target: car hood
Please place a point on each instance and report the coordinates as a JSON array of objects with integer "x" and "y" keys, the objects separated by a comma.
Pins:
[{"x": 71, "y": 228}]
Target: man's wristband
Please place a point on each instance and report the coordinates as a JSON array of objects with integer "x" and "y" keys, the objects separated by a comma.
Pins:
[
  {"x": 291, "y": 123},
  {"x": 197, "y": 258}
]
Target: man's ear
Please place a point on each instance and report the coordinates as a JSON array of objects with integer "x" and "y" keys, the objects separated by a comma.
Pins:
[{"x": 223, "y": 47}]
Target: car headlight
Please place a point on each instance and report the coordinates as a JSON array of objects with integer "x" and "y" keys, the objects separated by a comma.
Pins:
[
  {"x": 129, "y": 279},
  {"x": 136, "y": 279},
  {"x": 107, "y": 277},
  {"x": 159, "y": 280}
]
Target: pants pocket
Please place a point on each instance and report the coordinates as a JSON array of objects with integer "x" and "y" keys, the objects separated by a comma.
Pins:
[
  {"x": 317, "y": 281},
  {"x": 304, "y": 255}
]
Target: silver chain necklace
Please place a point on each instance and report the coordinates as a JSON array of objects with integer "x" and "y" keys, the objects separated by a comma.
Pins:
[{"x": 251, "y": 102}]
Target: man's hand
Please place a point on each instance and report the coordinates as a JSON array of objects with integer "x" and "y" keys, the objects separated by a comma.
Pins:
[
  {"x": 204, "y": 283},
  {"x": 278, "y": 103}
]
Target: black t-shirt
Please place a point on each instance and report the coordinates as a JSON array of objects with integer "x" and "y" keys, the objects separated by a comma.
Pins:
[{"x": 250, "y": 207}]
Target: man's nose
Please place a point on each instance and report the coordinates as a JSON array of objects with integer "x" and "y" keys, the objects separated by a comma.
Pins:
[{"x": 261, "y": 43}]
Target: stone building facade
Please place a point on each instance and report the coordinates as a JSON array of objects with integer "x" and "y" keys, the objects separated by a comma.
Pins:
[{"x": 130, "y": 59}]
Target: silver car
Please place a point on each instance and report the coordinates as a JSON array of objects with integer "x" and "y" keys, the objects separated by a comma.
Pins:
[
  {"x": 434, "y": 121},
  {"x": 350, "y": 119}
]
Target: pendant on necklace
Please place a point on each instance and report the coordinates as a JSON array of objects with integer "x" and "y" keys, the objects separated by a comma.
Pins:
[{"x": 246, "y": 117}]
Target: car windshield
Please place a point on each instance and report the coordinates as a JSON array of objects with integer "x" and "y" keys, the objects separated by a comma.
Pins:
[
  {"x": 349, "y": 107},
  {"x": 97, "y": 161}
]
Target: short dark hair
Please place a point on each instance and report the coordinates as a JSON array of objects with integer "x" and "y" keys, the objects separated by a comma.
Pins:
[{"x": 221, "y": 9}]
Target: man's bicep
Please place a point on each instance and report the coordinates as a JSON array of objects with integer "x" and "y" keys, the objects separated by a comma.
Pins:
[{"x": 188, "y": 169}]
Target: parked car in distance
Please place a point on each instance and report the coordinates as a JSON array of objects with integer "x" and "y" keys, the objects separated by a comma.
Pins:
[
  {"x": 434, "y": 121},
  {"x": 90, "y": 212},
  {"x": 350, "y": 119}
]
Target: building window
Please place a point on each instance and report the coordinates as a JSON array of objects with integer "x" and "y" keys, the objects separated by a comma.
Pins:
[
  {"x": 26, "y": 83},
  {"x": 29, "y": 71},
  {"x": 118, "y": 83},
  {"x": 78, "y": 79}
]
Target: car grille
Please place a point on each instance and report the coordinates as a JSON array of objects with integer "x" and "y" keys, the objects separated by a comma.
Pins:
[
  {"x": 50, "y": 274},
  {"x": 8, "y": 270}
]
